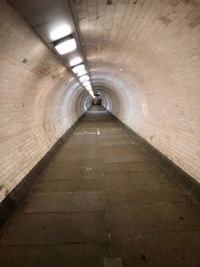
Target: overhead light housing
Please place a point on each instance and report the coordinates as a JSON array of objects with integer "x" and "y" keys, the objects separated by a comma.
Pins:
[
  {"x": 78, "y": 68},
  {"x": 86, "y": 83},
  {"x": 65, "y": 45},
  {"x": 92, "y": 94},
  {"x": 84, "y": 78},
  {"x": 88, "y": 87},
  {"x": 81, "y": 73},
  {"x": 60, "y": 32},
  {"x": 75, "y": 61}
]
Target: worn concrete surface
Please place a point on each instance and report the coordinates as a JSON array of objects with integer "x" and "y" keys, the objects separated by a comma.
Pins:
[{"x": 102, "y": 197}]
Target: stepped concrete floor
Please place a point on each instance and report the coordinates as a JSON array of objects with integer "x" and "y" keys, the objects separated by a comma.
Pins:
[{"x": 102, "y": 201}]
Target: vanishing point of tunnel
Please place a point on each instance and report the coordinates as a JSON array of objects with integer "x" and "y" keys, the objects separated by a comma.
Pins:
[{"x": 99, "y": 133}]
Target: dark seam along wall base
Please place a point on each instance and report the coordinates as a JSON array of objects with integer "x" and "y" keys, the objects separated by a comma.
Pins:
[
  {"x": 189, "y": 184},
  {"x": 13, "y": 199}
]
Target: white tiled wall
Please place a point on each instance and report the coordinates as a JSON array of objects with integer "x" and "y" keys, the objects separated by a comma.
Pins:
[
  {"x": 34, "y": 106},
  {"x": 153, "y": 48}
]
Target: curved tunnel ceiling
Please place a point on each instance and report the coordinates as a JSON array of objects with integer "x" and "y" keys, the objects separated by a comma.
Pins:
[{"x": 143, "y": 56}]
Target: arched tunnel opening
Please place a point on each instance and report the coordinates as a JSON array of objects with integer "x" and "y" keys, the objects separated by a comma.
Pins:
[{"x": 99, "y": 133}]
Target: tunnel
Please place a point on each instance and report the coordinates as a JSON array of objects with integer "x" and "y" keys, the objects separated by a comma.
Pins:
[{"x": 100, "y": 133}]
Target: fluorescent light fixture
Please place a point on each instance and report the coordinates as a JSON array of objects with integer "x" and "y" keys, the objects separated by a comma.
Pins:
[
  {"x": 88, "y": 87},
  {"x": 60, "y": 32},
  {"x": 75, "y": 61},
  {"x": 65, "y": 45},
  {"x": 86, "y": 83},
  {"x": 92, "y": 94},
  {"x": 78, "y": 68},
  {"x": 81, "y": 73},
  {"x": 84, "y": 78}
]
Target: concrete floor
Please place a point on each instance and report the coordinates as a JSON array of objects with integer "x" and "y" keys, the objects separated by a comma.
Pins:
[{"x": 102, "y": 201}]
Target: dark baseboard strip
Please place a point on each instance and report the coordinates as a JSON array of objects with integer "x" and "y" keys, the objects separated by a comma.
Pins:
[
  {"x": 13, "y": 199},
  {"x": 184, "y": 180}
]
